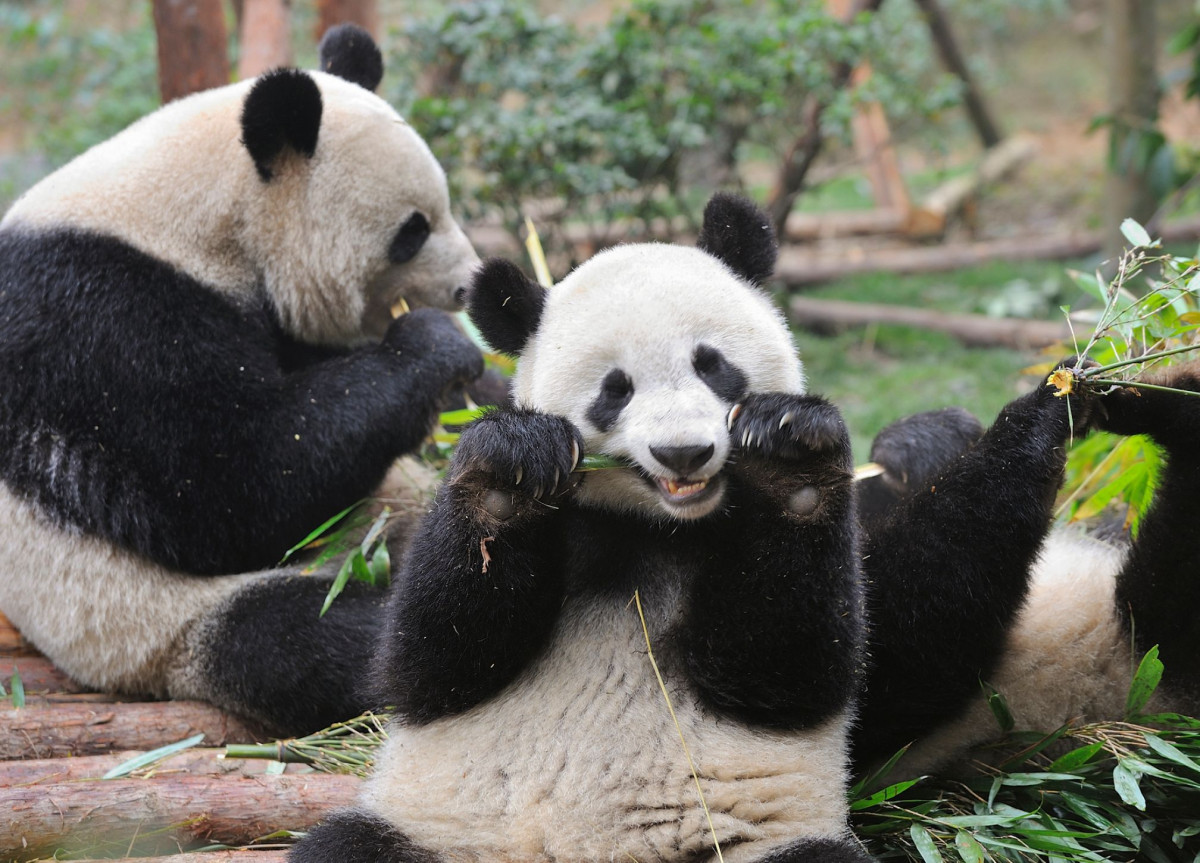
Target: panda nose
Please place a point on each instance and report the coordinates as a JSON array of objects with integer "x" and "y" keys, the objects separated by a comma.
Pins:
[{"x": 682, "y": 459}]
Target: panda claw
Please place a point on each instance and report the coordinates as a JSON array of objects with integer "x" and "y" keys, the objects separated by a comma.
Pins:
[
  {"x": 556, "y": 476},
  {"x": 520, "y": 475},
  {"x": 574, "y": 454},
  {"x": 733, "y": 415},
  {"x": 787, "y": 418}
]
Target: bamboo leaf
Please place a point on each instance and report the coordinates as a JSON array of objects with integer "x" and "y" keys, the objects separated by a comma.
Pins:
[
  {"x": 328, "y": 523},
  {"x": 154, "y": 755},
  {"x": 1145, "y": 682},
  {"x": 18, "y": 688},
  {"x": 1127, "y": 785},
  {"x": 926, "y": 846},
  {"x": 968, "y": 848},
  {"x": 1075, "y": 758}
]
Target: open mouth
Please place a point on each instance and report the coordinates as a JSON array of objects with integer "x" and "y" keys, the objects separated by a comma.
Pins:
[{"x": 684, "y": 492}]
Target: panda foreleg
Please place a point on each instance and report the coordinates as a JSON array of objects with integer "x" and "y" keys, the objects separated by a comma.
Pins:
[
  {"x": 822, "y": 850},
  {"x": 1158, "y": 588},
  {"x": 355, "y": 836},
  {"x": 481, "y": 586},
  {"x": 948, "y": 571},
  {"x": 773, "y": 630}
]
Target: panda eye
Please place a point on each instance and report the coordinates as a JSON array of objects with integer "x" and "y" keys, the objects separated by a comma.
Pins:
[
  {"x": 615, "y": 392},
  {"x": 409, "y": 239},
  {"x": 722, "y": 377}
]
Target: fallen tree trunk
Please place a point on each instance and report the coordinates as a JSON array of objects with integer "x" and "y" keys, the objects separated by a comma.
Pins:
[
  {"x": 192, "y": 762},
  {"x": 243, "y": 856},
  {"x": 38, "y": 674},
  {"x": 57, "y": 730},
  {"x": 12, "y": 642},
  {"x": 975, "y": 330},
  {"x": 157, "y": 815}
]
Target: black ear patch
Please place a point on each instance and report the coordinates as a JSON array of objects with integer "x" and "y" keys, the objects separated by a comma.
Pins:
[
  {"x": 283, "y": 111},
  {"x": 348, "y": 51},
  {"x": 738, "y": 233},
  {"x": 505, "y": 305}
]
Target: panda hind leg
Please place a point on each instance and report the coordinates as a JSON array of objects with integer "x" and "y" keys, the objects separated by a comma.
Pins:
[
  {"x": 1158, "y": 588},
  {"x": 820, "y": 850},
  {"x": 355, "y": 836}
]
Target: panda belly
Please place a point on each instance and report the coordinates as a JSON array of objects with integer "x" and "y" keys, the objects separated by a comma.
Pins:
[
  {"x": 579, "y": 759},
  {"x": 1068, "y": 657},
  {"x": 108, "y": 618}
]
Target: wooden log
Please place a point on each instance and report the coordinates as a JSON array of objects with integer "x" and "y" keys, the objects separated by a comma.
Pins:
[
  {"x": 245, "y": 855},
  {"x": 159, "y": 815},
  {"x": 975, "y": 330},
  {"x": 12, "y": 642},
  {"x": 930, "y": 218},
  {"x": 37, "y": 673},
  {"x": 192, "y": 762},
  {"x": 58, "y": 730}
]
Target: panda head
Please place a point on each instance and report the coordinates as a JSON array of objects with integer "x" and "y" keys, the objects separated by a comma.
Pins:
[
  {"x": 352, "y": 207},
  {"x": 305, "y": 187},
  {"x": 647, "y": 348}
]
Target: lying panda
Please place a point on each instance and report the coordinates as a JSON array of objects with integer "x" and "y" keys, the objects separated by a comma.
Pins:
[
  {"x": 198, "y": 366},
  {"x": 531, "y": 726}
]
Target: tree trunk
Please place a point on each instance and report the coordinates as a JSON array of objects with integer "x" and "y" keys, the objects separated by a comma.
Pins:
[
  {"x": 160, "y": 815},
  {"x": 1133, "y": 98},
  {"x": 192, "y": 50},
  {"x": 364, "y": 13},
  {"x": 266, "y": 41},
  {"x": 90, "y": 728},
  {"x": 789, "y": 182},
  {"x": 952, "y": 59}
]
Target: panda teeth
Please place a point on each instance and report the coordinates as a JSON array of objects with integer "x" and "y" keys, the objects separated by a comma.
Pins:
[{"x": 684, "y": 489}]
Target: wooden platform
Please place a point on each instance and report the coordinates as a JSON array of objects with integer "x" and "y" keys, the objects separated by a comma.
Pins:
[{"x": 57, "y": 747}]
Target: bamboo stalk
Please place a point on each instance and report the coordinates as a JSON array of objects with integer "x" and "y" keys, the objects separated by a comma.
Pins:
[
  {"x": 159, "y": 815},
  {"x": 57, "y": 730}
]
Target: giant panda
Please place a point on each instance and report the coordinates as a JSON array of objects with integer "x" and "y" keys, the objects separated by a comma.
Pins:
[
  {"x": 530, "y": 725},
  {"x": 972, "y": 588},
  {"x": 198, "y": 366}
]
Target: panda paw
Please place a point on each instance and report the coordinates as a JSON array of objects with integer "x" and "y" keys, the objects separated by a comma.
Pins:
[
  {"x": 432, "y": 338},
  {"x": 1171, "y": 418},
  {"x": 786, "y": 426},
  {"x": 507, "y": 457}
]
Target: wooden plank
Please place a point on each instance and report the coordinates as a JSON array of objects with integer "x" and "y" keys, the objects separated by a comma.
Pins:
[
  {"x": 12, "y": 642},
  {"x": 55, "y": 730},
  {"x": 194, "y": 762},
  {"x": 166, "y": 813},
  {"x": 37, "y": 673},
  {"x": 245, "y": 855}
]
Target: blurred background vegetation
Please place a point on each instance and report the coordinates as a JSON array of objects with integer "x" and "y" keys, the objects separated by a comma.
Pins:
[{"x": 589, "y": 115}]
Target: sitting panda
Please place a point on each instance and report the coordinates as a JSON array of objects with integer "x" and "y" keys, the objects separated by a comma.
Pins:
[
  {"x": 198, "y": 366},
  {"x": 530, "y": 724}
]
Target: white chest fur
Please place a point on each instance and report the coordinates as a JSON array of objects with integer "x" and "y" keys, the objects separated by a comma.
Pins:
[{"x": 579, "y": 759}]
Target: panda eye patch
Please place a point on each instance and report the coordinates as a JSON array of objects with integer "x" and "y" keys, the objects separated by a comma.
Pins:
[
  {"x": 722, "y": 377},
  {"x": 409, "y": 239},
  {"x": 615, "y": 392}
]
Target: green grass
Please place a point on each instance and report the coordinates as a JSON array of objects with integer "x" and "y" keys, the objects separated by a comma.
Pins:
[{"x": 879, "y": 373}]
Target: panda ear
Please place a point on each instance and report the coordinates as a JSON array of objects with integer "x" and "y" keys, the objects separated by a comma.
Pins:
[
  {"x": 505, "y": 305},
  {"x": 348, "y": 51},
  {"x": 738, "y": 233},
  {"x": 282, "y": 112}
]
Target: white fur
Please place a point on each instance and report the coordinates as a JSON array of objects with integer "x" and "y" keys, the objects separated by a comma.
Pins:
[
  {"x": 113, "y": 620},
  {"x": 610, "y": 313},
  {"x": 180, "y": 186},
  {"x": 1068, "y": 658},
  {"x": 580, "y": 760}
]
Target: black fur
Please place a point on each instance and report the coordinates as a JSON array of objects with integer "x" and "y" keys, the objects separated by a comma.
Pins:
[
  {"x": 270, "y": 646},
  {"x": 948, "y": 571},
  {"x": 1158, "y": 588},
  {"x": 723, "y": 377},
  {"x": 409, "y": 239},
  {"x": 142, "y": 407},
  {"x": 820, "y": 851},
  {"x": 282, "y": 112},
  {"x": 505, "y": 305},
  {"x": 616, "y": 391},
  {"x": 348, "y": 51},
  {"x": 771, "y": 622},
  {"x": 353, "y": 836},
  {"x": 738, "y": 233},
  {"x": 913, "y": 451}
]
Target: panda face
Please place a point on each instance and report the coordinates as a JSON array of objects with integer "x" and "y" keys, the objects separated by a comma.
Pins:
[
  {"x": 375, "y": 228},
  {"x": 639, "y": 348}
]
